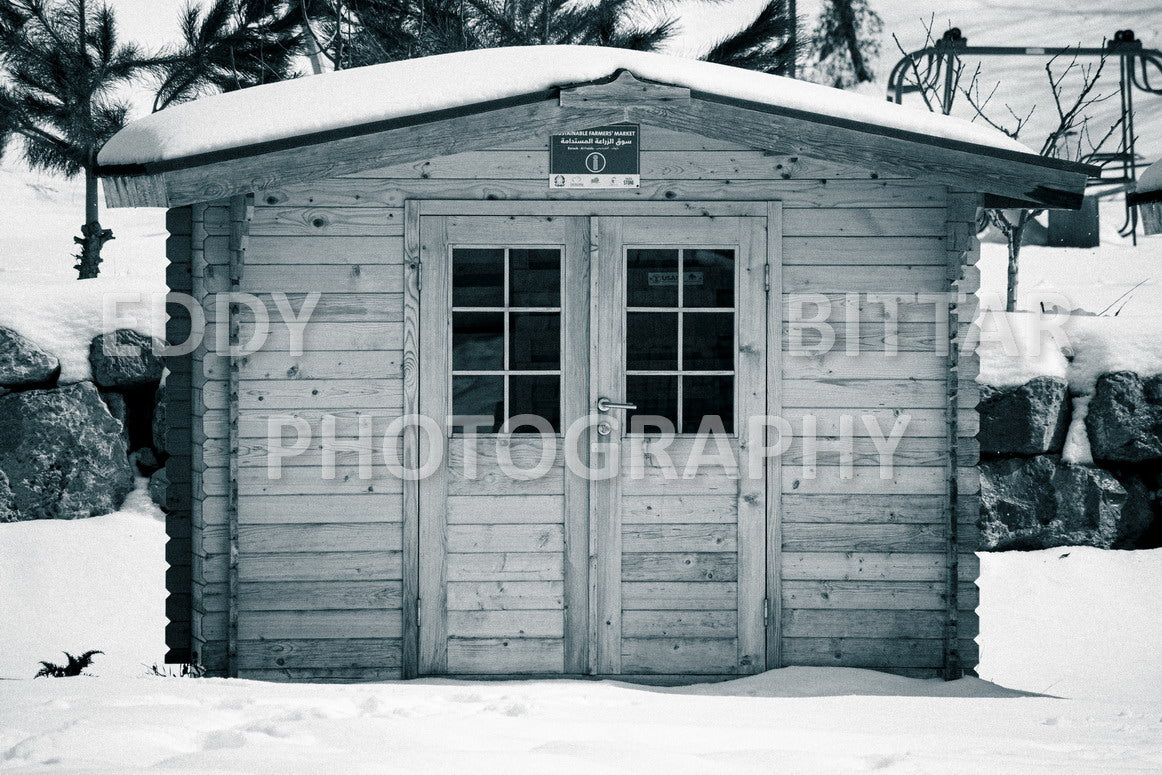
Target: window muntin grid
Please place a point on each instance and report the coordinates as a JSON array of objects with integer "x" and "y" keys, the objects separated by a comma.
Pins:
[
  {"x": 507, "y": 336},
  {"x": 681, "y": 325}
]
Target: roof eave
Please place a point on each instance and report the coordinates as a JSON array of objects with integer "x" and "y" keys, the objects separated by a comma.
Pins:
[{"x": 1016, "y": 176}]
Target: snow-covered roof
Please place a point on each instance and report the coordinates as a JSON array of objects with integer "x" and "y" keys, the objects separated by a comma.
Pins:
[{"x": 396, "y": 90}]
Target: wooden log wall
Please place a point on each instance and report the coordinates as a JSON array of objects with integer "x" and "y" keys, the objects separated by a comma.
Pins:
[
  {"x": 179, "y": 495},
  {"x": 210, "y": 559},
  {"x": 862, "y": 561},
  {"x": 963, "y": 255}
]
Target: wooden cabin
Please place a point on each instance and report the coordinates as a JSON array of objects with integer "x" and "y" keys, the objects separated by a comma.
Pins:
[{"x": 467, "y": 267}]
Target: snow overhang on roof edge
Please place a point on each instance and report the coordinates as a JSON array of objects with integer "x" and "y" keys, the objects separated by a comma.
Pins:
[{"x": 143, "y": 147}]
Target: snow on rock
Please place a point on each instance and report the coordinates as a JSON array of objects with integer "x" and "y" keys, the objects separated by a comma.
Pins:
[
  {"x": 1104, "y": 345},
  {"x": 1015, "y": 348},
  {"x": 86, "y": 584},
  {"x": 1019, "y": 346},
  {"x": 1077, "y": 449},
  {"x": 411, "y": 87},
  {"x": 62, "y": 316}
]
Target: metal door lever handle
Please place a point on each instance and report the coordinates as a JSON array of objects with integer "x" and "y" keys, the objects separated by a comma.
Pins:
[{"x": 604, "y": 405}]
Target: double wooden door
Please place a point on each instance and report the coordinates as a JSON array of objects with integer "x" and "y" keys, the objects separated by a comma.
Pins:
[{"x": 589, "y": 508}]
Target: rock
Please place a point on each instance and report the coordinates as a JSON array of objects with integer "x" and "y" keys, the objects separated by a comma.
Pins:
[
  {"x": 115, "y": 403},
  {"x": 23, "y": 364},
  {"x": 1125, "y": 418},
  {"x": 1029, "y": 419},
  {"x": 158, "y": 484},
  {"x": 1150, "y": 484},
  {"x": 1015, "y": 498},
  {"x": 159, "y": 416},
  {"x": 7, "y": 500},
  {"x": 63, "y": 453},
  {"x": 1041, "y": 502},
  {"x": 145, "y": 460},
  {"x": 1138, "y": 513},
  {"x": 139, "y": 366}
]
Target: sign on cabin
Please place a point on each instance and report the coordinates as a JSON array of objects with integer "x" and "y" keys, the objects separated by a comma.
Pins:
[{"x": 602, "y": 157}]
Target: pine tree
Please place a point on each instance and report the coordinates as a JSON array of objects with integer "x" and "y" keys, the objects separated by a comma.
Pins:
[
  {"x": 351, "y": 33},
  {"x": 846, "y": 43},
  {"x": 59, "y": 63},
  {"x": 234, "y": 44},
  {"x": 767, "y": 44}
]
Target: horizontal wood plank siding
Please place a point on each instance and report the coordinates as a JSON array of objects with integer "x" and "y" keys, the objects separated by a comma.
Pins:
[
  {"x": 320, "y": 562},
  {"x": 862, "y": 553}
]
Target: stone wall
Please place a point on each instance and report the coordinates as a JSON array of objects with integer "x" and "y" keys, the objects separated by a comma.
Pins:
[
  {"x": 72, "y": 450},
  {"x": 1103, "y": 488}
]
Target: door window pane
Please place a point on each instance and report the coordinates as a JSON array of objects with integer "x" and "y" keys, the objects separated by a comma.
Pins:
[
  {"x": 534, "y": 277},
  {"x": 651, "y": 341},
  {"x": 478, "y": 401},
  {"x": 702, "y": 396},
  {"x": 708, "y": 341},
  {"x": 478, "y": 277},
  {"x": 708, "y": 278},
  {"x": 668, "y": 354},
  {"x": 652, "y": 277},
  {"x": 535, "y": 341},
  {"x": 512, "y": 324},
  {"x": 653, "y": 396},
  {"x": 540, "y": 396},
  {"x": 477, "y": 341}
]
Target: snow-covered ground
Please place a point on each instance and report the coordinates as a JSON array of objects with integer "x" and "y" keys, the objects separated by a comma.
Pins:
[
  {"x": 1077, "y": 628},
  {"x": 76, "y": 585},
  {"x": 793, "y": 721}
]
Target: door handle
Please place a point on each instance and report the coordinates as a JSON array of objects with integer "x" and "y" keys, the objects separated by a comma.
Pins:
[{"x": 604, "y": 405}]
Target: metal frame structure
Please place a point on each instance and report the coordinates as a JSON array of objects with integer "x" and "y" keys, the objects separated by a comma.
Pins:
[{"x": 1134, "y": 63}]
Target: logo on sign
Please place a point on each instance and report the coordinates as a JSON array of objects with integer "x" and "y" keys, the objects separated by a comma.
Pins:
[{"x": 595, "y": 162}]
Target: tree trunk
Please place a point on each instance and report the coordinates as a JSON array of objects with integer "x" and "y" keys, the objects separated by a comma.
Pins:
[
  {"x": 1015, "y": 235},
  {"x": 314, "y": 56},
  {"x": 793, "y": 37},
  {"x": 93, "y": 237},
  {"x": 851, "y": 39}
]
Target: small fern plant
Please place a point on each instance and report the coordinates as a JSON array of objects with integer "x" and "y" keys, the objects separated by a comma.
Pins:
[{"x": 75, "y": 666}]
